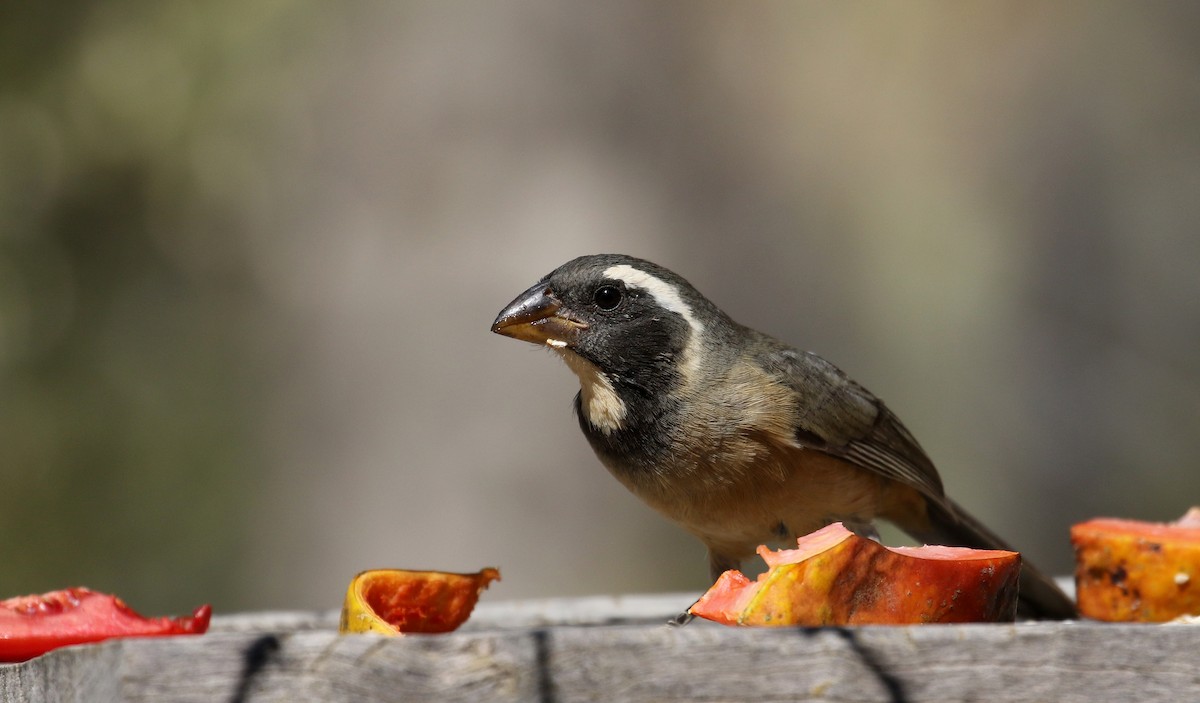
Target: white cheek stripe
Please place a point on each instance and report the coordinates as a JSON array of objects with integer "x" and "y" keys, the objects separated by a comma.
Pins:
[{"x": 667, "y": 296}]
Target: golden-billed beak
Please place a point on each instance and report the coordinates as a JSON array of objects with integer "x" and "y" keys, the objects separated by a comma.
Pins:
[{"x": 536, "y": 316}]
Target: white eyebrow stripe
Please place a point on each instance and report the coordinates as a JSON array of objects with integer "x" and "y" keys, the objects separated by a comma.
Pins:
[{"x": 666, "y": 294}]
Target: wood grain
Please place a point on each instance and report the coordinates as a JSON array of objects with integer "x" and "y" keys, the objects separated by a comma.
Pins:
[{"x": 609, "y": 650}]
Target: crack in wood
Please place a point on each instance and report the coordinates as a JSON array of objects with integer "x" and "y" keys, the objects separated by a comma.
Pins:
[
  {"x": 890, "y": 682},
  {"x": 543, "y": 666},
  {"x": 371, "y": 651},
  {"x": 260, "y": 653}
]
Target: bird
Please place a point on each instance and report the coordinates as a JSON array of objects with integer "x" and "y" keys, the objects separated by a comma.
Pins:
[{"x": 737, "y": 437}]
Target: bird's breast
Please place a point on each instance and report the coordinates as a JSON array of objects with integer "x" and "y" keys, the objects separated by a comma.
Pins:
[{"x": 749, "y": 490}]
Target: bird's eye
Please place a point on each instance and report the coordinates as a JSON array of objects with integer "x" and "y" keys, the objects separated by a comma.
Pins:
[{"x": 607, "y": 297}]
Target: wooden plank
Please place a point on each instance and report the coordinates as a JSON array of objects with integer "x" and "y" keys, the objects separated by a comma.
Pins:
[
  {"x": 70, "y": 675},
  {"x": 1033, "y": 662},
  {"x": 622, "y": 652},
  {"x": 323, "y": 666}
]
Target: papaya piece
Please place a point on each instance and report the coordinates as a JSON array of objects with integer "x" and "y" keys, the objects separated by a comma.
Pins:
[
  {"x": 1128, "y": 570},
  {"x": 33, "y": 625},
  {"x": 835, "y": 577},
  {"x": 395, "y": 601}
]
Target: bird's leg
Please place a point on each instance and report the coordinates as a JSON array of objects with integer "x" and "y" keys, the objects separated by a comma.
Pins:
[
  {"x": 863, "y": 529},
  {"x": 683, "y": 618}
]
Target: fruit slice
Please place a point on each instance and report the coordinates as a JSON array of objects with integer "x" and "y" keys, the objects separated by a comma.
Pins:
[
  {"x": 835, "y": 577},
  {"x": 1127, "y": 570},
  {"x": 394, "y": 601},
  {"x": 33, "y": 625}
]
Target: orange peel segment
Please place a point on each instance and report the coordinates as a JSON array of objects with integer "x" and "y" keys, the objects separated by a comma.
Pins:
[{"x": 396, "y": 601}]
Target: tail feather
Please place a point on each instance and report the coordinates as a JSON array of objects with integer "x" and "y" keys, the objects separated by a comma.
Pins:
[{"x": 948, "y": 524}]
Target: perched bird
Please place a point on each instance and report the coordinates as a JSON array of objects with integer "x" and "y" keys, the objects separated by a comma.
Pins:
[{"x": 737, "y": 437}]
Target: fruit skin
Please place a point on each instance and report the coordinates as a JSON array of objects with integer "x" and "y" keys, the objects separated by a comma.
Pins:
[
  {"x": 396, "y": 601},
  {"x": 33, "y": 625},
  {"x": 836, "y": 577},
  {"x": 1128, "y": 570}
]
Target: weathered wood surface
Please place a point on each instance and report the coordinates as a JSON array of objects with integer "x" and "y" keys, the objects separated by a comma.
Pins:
[{"x": 606, "y": 650}]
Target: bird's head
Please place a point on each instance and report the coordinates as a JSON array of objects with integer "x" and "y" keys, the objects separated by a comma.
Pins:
[{"x": 630, "y": 329}]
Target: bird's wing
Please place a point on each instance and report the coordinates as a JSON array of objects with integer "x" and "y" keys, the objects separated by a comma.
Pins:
[{"x": 837, "y": 416}]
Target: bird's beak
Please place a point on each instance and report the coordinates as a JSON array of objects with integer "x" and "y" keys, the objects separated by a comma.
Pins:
[{"x": 537, "y": 316}]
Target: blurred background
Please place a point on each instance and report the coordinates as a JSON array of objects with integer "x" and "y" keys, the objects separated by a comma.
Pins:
[{"x": 250, "y": 252}]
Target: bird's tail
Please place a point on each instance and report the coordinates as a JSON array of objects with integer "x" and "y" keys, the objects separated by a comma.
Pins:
[{"x": 950, "y": 525}]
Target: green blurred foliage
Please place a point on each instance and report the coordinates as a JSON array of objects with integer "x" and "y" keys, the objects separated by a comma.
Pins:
[{"x": 134, "y": 340}]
